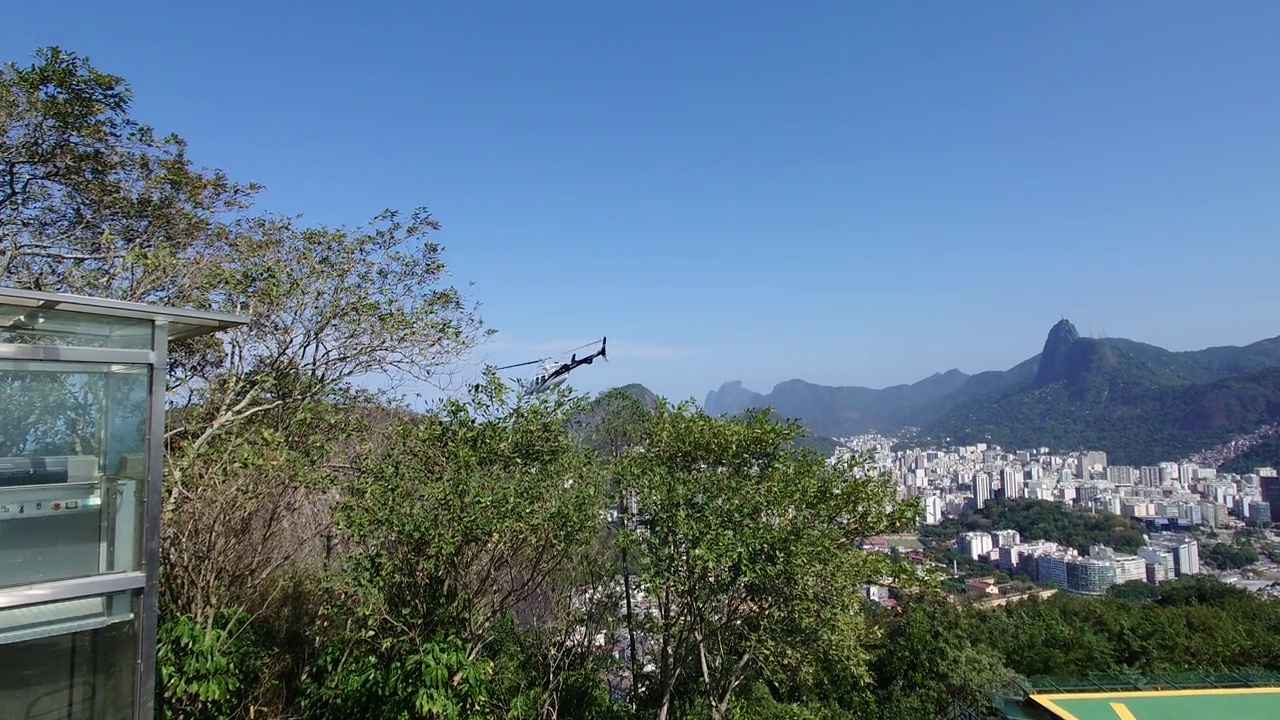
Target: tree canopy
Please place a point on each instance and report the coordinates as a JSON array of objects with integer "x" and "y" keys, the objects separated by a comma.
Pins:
[{"x": 1046, "y": 520}]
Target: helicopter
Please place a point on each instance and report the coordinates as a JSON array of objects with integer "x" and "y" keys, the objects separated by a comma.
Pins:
[{"x": 553, "y": 374}]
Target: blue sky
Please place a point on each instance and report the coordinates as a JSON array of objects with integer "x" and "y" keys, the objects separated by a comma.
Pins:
[{"x": 845, "y": 192}]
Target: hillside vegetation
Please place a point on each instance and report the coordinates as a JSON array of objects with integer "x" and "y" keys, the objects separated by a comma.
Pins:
[
  {"x": 1139, "y": 403},
  {"x": 1046, "y": 520}
]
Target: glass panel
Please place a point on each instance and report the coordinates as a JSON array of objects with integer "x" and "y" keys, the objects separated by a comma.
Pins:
[
  {"x": 38, "y": 326},
  {"x": 70, "y": 660},
  {"x": 72, "y": 449}
]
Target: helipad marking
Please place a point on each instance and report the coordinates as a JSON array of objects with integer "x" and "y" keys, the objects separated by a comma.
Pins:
[
  {"x": 1122, "y": 711},
  {"x": 1138, "y": 705}
]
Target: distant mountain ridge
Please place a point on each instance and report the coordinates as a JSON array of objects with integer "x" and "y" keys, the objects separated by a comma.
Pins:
[
  {"x": 1139, "y": 402},
  {"x": 586, "y": 422},
  {"x": 837, "y": 411}
]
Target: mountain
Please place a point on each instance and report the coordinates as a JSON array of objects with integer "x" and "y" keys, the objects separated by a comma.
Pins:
[
  {"x": 732, "y": 399},
  {"x": 645, "y": 396},
  {"x": 1139, "y": 402},
  {"x": 841, "y": 411},
  {"x": 587, "y": 422}
]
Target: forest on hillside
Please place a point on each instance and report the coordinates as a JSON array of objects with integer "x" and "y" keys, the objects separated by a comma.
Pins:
[
  {"x": 1046, "y": 520},
  {"x": 329, "y": 552}
]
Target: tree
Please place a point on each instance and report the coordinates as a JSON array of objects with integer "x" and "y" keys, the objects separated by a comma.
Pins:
[
  {"x": 1134, "y": 591},
  {"x": 91, "y": 200},
  {"x": 265, "y": 422},
  {"x": 1222, "y": 556},
  {"x": 616, "y": 425},
  {"x": 615, "y": 422},
  {"x": 328, "y": 307},
  {"x": 752, "y": 550},
  {"x": 928, "y": 664},
  {"x": 473, "y": 514}
]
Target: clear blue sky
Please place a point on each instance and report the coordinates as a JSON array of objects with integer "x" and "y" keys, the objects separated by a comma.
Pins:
[{"x": 845, "y": 192}]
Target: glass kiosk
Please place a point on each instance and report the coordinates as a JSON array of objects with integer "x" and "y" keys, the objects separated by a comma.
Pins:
[{"x": 82, "y": 399}]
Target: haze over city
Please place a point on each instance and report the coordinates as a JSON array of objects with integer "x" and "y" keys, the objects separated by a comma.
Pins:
[{"x": 851, "y": 193}]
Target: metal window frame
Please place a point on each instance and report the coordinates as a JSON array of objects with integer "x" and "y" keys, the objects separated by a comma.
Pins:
[
  {"x": 203, "y": 321},
  {"x": 73, "y": 589},
  {"x": 82, "y": 355},
  {"x": 145, "y": 679},
  {"x": 182, "y": 324}
]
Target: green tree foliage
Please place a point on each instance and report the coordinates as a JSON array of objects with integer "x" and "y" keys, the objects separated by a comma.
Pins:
[
  {"x": 264, "y": 422},
  {"x": 1052, "y": 521},
  {"x": 206, "y": 670},
  {"x": 1135, "y": 591},
  {"x": 935, "y": 652},
  {"x": 1193, "y": 623},
  {"x": 93, "y": 201},
  {"x": 751, "y": 551},
  {"x": 616, "y": 424},
  {"x": 1222, "y": 556},
  {"x": 928, "y": 663},
  {"x": 614, "y": 421},
  {"x": 470, "y": 515}
]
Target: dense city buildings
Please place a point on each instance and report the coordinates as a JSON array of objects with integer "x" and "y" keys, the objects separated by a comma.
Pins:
[
  {"x": 1168, "y": 495},
  {"x": 1168, "y": 498},
  {"x": 1168, "y": 555}
]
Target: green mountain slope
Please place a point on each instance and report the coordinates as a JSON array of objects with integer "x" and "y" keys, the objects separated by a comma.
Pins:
[
  {"x": 1139, "y": 402},
  {"x": 1265, "y": 454},
  {"x": 1206, "y": 365}
]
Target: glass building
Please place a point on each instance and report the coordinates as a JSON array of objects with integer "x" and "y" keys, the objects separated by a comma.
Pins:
[{"x": 82, "y": 401}]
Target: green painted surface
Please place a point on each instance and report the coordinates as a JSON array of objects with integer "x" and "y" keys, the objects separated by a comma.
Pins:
[{"x": 1255, "y": 706}]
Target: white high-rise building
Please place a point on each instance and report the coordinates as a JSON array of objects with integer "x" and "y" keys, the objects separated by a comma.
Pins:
[
  {"x": 1121, "y": 475},
  {"x": 981, "y": 489},
  {"x": 1149, "y": 476},
  {"x": 1128, "y": 567},
  {"x": 1011, "y": 478},
  {"x": 935, "y": 509},
  {"x": 1187, "y": 473},
  {"x": 975, "y": 544},
  {"x": 1012, "y": 555},
  {"x": 1186, "y": 557},
  {"x": 1005, "y": 538},
  {"x": 1160, "y": 561}
]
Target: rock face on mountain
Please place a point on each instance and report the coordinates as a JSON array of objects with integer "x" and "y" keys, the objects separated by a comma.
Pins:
[
  {"x": 1063, "y": 355},
  {"x": 841, "y": 411},
  {"x": 731, "y": 399},
  {"x": 1139, "y": 402}
]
